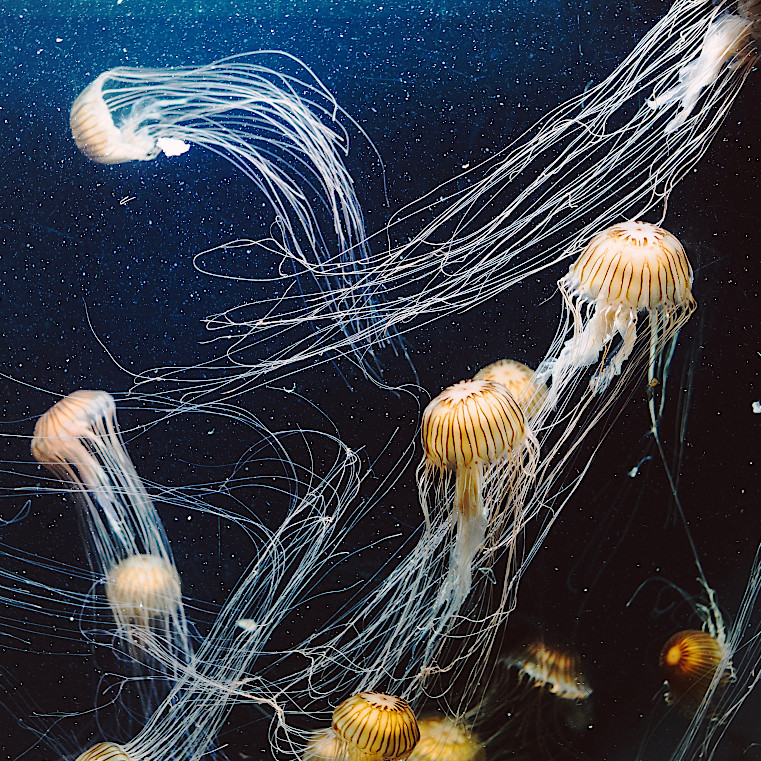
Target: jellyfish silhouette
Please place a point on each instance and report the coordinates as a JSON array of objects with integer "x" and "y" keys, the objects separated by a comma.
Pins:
[
  {"x": 443, "y": 739},
  {"x": 519, "y": 380}
]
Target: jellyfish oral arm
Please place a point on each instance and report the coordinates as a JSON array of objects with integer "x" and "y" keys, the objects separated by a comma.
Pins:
[
  {"x": 724, "y": 39},
  {"x": 172, "y": 146}
]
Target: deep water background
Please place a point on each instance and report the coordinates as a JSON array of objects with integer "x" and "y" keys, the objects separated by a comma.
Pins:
[{"x": 89, "y": 286}]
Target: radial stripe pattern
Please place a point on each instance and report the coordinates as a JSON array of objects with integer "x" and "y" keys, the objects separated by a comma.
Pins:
[
  {"x": 105, "y": 752},
  {"x": 143, "y": 586},
  {"x": 688, "y": 661},
  {"x": 71, "y": 417},
  {"x": 472, "y": 422},
  {"x": 95, "y": 133},
  {"x": 636, "y": 264},
  {"x": 378, "y": 726}
]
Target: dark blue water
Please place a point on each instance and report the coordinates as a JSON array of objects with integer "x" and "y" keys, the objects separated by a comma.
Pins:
[{"x": 93, "y": 291}]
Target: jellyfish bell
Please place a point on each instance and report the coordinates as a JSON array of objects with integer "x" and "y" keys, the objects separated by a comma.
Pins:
[
  {"x": 376, "y": 727},
  {"x": 689, "y": 662},
  {"x": 142, "y": 588},
  {"x": 626, "y": 269},
  {"x": 96, "y": 135},
  {"x": 468, "y": 429},
  {"x": 58, "y": 432},
  {"x": 105, "y": 751},
  {"x": 519, "y": 380},
  {"x": 557, "y": 670},
  {"x": 444, "y": 739}
]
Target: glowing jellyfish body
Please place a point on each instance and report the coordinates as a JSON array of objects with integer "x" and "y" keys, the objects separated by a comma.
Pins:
[
  {"x": 689, "y": 661},
  {"x": 556, "y": 670},
  {"x": 96, "y": 135},
  {"x": 627, "y": 269},
  {"x": 142, "y": 589},
  {"x": 467, "y": 429},
  {"x": 78, "y": 439},
  {"x": 376, "y": 727},
  {"x": 443, "y": 739}
]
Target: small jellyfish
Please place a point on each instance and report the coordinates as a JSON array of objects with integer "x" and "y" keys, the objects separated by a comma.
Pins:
[
  {"x": 376, "y": 727},
  {"x": 519, "y": 380},
  {"x": 538, "y": 700},
  {"x": 553, "y": 669},
  {"x": 626, "y": 269},
  {"x": 443, "y": 739},
  {"x": 466, "y": 429},
  {"x": 141, "y": 589},
  {"x": 689, "y": 662}
]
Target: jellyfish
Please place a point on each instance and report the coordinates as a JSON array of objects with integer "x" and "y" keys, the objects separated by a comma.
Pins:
[
  {"x": 556, "y": 670},
  {"x": 443, "y": 739},
  {"x": 626, "y": 269},
  {"x": 142, "y": 589},
  {"x": 105, "y": 751},
  {"x": 519, "y": 380},
  {"x": 78, "y": 439},
  {"x": 280, "y": 132},
  {"x": 476, "y": 430},
  {"x": 375, "y": 727},
  {"x": 537, "y": 699},
  {"x": 689, "y": 661}
]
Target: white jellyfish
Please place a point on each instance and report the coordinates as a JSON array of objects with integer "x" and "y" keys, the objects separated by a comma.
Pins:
[
  {"x": 283, "y": 134},
  {"x": 78, "y": 439}
]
